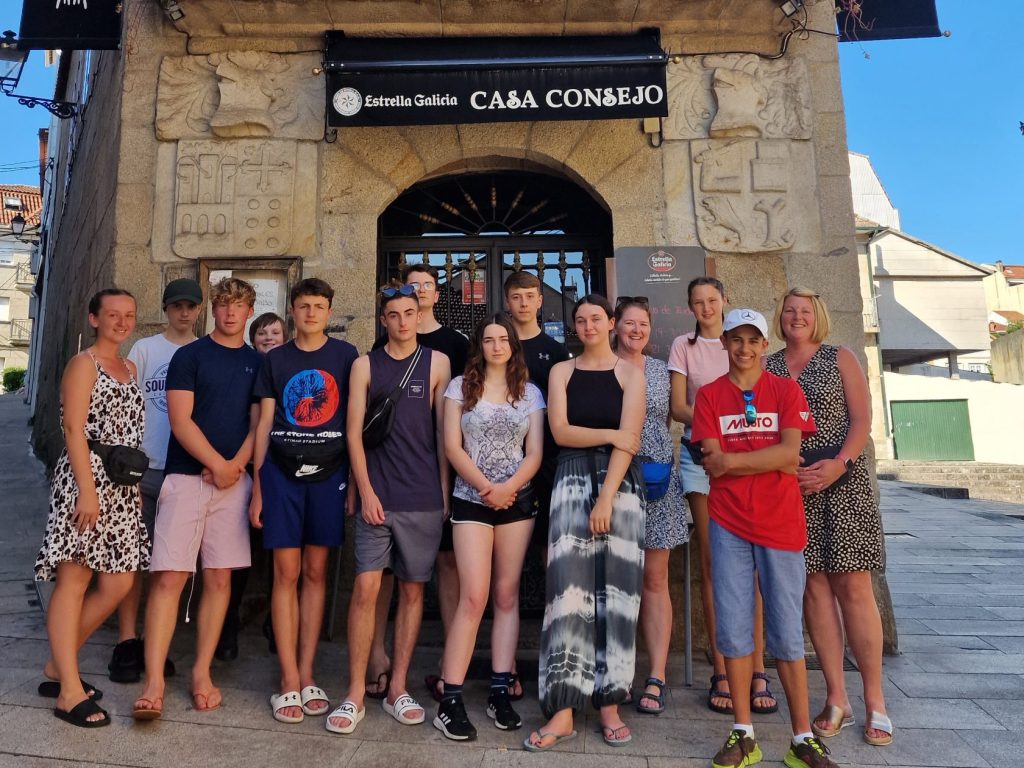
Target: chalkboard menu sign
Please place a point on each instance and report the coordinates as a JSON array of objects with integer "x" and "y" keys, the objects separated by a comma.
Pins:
[{"x": 662, "y": 274}]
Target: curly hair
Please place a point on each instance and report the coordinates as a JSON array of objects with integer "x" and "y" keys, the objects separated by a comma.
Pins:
[{"x": 516, "y": 372}]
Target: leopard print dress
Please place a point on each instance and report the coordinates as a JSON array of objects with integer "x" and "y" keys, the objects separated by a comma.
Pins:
[
  {"x": 844, "y": 527},
  {"x": 118, "y": 543}
]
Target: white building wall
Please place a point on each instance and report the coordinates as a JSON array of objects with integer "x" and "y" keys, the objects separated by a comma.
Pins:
[
  {"x": 932, "y": 314},
  {"x": 997, "y": 418},
  {"x": 870, "y": 200}
]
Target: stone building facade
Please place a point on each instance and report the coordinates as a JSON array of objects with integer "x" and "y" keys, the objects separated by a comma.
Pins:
[{"x": 206, "y": 150}]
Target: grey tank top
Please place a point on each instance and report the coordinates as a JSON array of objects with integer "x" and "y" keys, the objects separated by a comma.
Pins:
[{"x": 404, "y": 469}]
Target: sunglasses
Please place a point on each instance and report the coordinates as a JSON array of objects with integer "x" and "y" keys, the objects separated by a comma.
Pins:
[
  {"x": 632, "y": 300},
  {"x": 749, "y": 410},
  {"x": 405, "y": 290}
]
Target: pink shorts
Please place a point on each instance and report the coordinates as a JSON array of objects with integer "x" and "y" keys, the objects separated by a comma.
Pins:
[{"x": 196, "y": 518}]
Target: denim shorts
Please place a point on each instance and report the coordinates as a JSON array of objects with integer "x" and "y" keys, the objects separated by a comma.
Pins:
[
  {"x": 693, "y": 476},
  {"x": 781, "y": 575}
]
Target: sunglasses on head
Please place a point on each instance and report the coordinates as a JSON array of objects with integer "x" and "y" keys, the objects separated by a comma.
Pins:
[
  {"x": 631, "y": 300},
  {"x": 405, "y": 290},
  {"x": 749, "y": 410}
]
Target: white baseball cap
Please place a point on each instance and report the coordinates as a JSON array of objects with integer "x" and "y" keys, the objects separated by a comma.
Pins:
[{"x": 738, "y": 317}]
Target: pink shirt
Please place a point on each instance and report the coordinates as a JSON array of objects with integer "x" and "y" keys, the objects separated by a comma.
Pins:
[{"x": 700, "y": 363}]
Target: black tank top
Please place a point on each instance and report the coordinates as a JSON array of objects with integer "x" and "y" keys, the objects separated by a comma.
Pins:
[
  {"x": 404, "y": 469},
  {"x": 593, "y": 399}
]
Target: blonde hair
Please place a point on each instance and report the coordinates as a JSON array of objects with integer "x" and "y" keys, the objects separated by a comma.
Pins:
[
  {"x": 822, "y": 322},
  {"x": 231, "y": 289}
]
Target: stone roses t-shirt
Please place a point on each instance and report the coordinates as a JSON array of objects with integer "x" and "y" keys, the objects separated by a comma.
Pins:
[
  {"x": 766, "y": 508},
  {"x": 310, "y": 391}
]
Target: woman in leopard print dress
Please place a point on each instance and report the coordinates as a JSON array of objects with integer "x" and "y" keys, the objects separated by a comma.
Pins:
[
  {"x": 94, "y": 525},
  {"x": 844, "y": 528}
]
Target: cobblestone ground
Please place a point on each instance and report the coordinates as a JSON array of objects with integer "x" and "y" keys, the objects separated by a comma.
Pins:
[{"x": 955, "y": 694}]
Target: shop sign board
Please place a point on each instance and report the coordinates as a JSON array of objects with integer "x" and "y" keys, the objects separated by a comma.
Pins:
[
  {"x": 436, "y": 81},
  {"x": 70, "y": 25},
  {"x": 661, "y": 273}
]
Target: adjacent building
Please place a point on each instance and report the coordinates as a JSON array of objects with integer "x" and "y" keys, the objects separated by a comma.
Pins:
[{"x": 16, "y": 280}]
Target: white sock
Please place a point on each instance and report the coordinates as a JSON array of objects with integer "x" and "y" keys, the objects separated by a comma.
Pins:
[
  {"x": 798, "y": 738},
  {"x": 747, "y": 729}
]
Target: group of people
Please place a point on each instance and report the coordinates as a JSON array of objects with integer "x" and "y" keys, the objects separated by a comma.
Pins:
[{"x": 452, "y": 455}]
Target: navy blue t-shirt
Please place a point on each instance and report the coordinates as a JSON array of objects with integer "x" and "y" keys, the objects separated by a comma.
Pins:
[
  {"x": 221, "y": 380},
  {"x": 310, "y": 390}
]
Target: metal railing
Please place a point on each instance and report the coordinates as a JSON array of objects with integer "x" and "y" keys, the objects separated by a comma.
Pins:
[
  {"x": 24, "y": 278},
  {"x": 21, "y": 332}
]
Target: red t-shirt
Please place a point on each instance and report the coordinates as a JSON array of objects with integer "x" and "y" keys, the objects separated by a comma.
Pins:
[{"x": 765, "y": 509}]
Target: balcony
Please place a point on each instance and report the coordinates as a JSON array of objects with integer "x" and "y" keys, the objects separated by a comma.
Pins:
[
  {"x": 870, "y": 321},
  {"x": 24, "y": 279},
  {"x": 21, "y": 333}
]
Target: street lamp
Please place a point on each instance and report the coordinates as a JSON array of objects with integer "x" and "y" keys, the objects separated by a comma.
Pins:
[
  {"x": 18, "y": 225},
  {"x": 12, "y": 62}
]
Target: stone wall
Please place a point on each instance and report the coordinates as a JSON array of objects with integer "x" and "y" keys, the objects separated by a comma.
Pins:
[
  {"x": 81, "y": 260},
  {"x": 1008, "y": 358}
]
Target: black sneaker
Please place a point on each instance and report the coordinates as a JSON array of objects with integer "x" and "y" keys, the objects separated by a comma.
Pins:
[
  {"x": 452, "y": 721},
  {"x": 127, "y": 662},
  {"x": 499, "y": 709}
]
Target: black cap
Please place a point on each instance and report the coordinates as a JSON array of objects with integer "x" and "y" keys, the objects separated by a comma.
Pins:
[{"x": 183, "y": 289}]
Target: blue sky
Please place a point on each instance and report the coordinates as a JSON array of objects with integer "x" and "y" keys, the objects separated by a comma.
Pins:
[{"x": 939, "y": 118}]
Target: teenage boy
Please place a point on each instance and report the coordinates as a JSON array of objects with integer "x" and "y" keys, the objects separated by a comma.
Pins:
[
  {"x": 403, "y": 490},
  {"x": 749, "y": 423},
  {"x": 151, "y": 355},
  {"x": 431, "y": 334},
  {"x": 299, "y": 486},
  {"x": 204, "y": 502}
]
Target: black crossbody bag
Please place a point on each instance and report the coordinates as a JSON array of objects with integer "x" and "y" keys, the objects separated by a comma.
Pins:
[
  {"x": 123, "y": 464},
  {"x": 380, "y": 413},
  {"x": 309, "y": 463}
]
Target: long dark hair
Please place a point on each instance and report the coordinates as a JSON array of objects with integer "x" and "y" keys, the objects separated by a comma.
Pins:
[
  {"x": 516, "y": 372},
  {"x": 598, "y": 301},
  {"x": 715, "y": 283}
]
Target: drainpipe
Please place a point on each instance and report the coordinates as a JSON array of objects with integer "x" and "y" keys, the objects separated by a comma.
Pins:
[{"x": 878, "y": 347}]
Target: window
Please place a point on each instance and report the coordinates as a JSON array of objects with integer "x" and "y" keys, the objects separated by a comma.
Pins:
[
  {"x": 12, "y": 203},
  {"x": 5, "y": 309}
]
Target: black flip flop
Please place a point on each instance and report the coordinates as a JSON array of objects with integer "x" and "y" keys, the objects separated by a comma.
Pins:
[
  {"x": 50, "y": 689},
  {"x": 513, "y": 681},
  {"x": 382, "y": 687},
  {"x": 81, "y": 711}
]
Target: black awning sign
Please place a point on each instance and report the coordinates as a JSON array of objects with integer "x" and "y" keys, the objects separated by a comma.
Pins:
[
  {"x": 433, "y": 81},
  {"x": 70, "y": 25}
]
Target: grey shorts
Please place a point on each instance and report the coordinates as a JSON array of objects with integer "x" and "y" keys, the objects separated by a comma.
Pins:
[
  {"x": 406, "y": 542},
  {"x": 150, "y": 489}
]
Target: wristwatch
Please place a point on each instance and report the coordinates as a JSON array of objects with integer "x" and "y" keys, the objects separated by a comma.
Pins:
[{"x": 848, "y": 463}]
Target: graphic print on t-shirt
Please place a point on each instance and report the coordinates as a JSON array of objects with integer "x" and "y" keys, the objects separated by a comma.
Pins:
[
  {"x": 310, "y": 398},
  {"x": 736, "y": 424},
  {"x": 155, "y": 388}
]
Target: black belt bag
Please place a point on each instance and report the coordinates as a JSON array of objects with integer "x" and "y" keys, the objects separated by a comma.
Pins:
[
  {"x": 309, "y": 463},
  {"x": 123, "y": 464}
]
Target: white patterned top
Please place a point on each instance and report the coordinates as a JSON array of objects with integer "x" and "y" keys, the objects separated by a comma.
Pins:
[{"x": 493, "y": 436}]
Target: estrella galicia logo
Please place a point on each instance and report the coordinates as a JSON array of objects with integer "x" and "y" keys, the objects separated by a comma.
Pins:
[
  {"x": 661, "y": 261},
  {"x": 347, "y": 101},
  {"x": 310, "y": 398},
  {"x": 155, "y": 388}
]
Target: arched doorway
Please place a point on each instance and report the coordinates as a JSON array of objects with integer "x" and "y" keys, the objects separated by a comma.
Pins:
[{"x": 478, "y": 227}]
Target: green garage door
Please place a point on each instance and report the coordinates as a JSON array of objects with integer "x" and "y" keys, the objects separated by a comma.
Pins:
[{"x": 932, "y": 430}]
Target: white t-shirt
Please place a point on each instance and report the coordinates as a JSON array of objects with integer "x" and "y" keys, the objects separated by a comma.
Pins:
[
  {"x": 493, "y": 435},
  {"x": 151, "y": 356}
]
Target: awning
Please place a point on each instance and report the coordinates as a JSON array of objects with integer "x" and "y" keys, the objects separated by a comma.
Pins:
[
  {"x": 888, "y": 20},
  {"x": 430, "y": 81}
]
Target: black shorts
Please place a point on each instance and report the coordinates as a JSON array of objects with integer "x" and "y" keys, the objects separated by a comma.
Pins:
[{"x": 467, "y": 512}]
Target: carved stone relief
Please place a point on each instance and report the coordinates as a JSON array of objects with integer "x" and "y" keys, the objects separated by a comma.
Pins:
[
  {"x": 738, "y": 95},
  {"x": 240, "y": 94},
  {"x": 239, "y": 198},
  {"x": 742, "y": 195}
]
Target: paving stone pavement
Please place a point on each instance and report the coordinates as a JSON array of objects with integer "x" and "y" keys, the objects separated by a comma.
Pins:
[{"x": 955, "y": 693}]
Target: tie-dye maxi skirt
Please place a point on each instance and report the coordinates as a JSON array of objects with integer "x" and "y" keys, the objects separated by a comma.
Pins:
[{"x": 594, "y": 583}]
